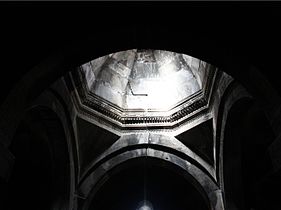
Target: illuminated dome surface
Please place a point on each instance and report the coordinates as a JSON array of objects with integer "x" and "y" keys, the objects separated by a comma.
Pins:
[
  {"x": 137, "y": 89},
  {"x": 144, "y": 79}
]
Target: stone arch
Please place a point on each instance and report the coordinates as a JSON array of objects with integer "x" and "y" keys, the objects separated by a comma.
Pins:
[
  {"x": 150, "y": 140},
  {"x": 244, "y": 133},
  {"x": 92, "y": 183},
  {"x": 142, "y": 170},
  {"x": 232, "y": 95},
  {"x": 42, "y": 169}
]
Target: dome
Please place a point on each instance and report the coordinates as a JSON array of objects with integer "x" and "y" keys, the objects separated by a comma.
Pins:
[
  {"x": 144, "y": 79},
  {"x": 137, "y": 89}
]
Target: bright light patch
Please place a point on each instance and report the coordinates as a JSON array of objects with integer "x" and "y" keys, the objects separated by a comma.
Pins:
[
  {"x": 145, "y": 208},
  {"x": 145, "y": 205},
  {"x": 147, "y": 79}
]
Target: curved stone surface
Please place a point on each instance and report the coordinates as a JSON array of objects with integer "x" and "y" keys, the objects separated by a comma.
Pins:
[
  {"x": 140, "y": 89},
  {"x": 209, "y": 186},
  {"x": 144, "y": 80},
  {"x": 146, "y": 140}
]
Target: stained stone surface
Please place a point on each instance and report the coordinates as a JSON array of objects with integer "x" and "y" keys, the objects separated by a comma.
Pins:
[{"x": 144, "y": 79}]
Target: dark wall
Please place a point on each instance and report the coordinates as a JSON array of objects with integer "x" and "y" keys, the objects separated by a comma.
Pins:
[
  {"x": 41, "y": 173},
  {"x": 32, "y": 31},
  {"x": 246, "y": 163}
]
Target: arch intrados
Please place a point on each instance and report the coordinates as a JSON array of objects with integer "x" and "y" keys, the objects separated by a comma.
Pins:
[{"x": 192, "y": 174}]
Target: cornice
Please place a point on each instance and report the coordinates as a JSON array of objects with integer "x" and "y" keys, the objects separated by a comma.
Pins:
[{"x": 110, "y": 114}]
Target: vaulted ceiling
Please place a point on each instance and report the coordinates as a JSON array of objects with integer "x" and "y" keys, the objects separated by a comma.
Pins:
[{"x": 137, "y": 89}]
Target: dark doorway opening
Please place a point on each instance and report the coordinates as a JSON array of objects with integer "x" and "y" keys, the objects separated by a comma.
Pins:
[{"x": 147, "y": 179}]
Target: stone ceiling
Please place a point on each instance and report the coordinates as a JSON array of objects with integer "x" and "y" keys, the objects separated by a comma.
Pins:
[{"x": 143, "y": 88}]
